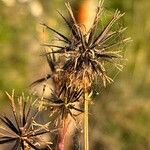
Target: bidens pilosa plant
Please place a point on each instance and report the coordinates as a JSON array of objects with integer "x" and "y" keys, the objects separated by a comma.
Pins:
[
  {"x": 21, "y": 130},
  {"x": 75, "y": 63}
]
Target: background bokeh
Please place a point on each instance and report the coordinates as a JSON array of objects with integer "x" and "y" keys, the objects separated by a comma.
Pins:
[{"x": 120, "y": 115}]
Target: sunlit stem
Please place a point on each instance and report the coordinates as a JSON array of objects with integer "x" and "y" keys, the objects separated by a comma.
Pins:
[
  {"x": 62, "y": 133},
  {"x": 86, "y": 123}
]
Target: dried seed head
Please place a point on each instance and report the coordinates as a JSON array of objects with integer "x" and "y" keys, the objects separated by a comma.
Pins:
[
  {"x": 87, "y": 53},
  {"x": 22, "y": 132},
  {"x": 64, "y": 102}
]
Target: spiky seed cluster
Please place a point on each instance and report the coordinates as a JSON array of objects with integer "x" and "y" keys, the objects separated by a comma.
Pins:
[
  {"x": 87, "y": 53},
  {"x": 64, "y": 102},
  {"x": 84, "y": 58},
  {"x": 22, "y": 132}
]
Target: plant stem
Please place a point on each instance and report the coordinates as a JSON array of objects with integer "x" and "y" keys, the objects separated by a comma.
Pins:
[
  {"x": 61, "y": 143},
  {"x": 86, "y": 123},
  {"x": 62, "y": 134}
]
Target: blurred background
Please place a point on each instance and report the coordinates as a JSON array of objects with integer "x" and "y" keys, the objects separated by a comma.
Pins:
[{"x": 120, "y": 115}]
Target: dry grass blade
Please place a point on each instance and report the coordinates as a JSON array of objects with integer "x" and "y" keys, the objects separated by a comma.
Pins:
[
  {"x": 73, "y": 19},
  {"x": 83, "y": 40},
  {"x": 16, "y": 145},
  {"x": 117, "y": 43},
  {"x": 106, "y": 30},
  {"x": 11, "y": 98},
  {"x": 51, "y": 62},
  {"x": 9, "y": 124},
  {"x": 113, "y": 35},
  {"x": 24, "y": 114},
  {"x": 61, "y": 35},
  {"x": 70, "y": 26},
  {"x": 95, "y": 23},
  {"x": 31, "y": 145},
  {"x": 4, "y": 140},
  {"x": 40, "y": 80},
  {"x": 51, "y": 45}
]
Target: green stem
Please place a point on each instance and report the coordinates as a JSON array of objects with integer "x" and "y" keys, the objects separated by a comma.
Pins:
[{"x": 86, "y": 123}]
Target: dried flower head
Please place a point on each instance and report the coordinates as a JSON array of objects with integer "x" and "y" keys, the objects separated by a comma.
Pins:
[
  {"x": 64, "y": 102},
  {"x": 22, "y": 131},
  {"x": 87, "y": 53}
]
